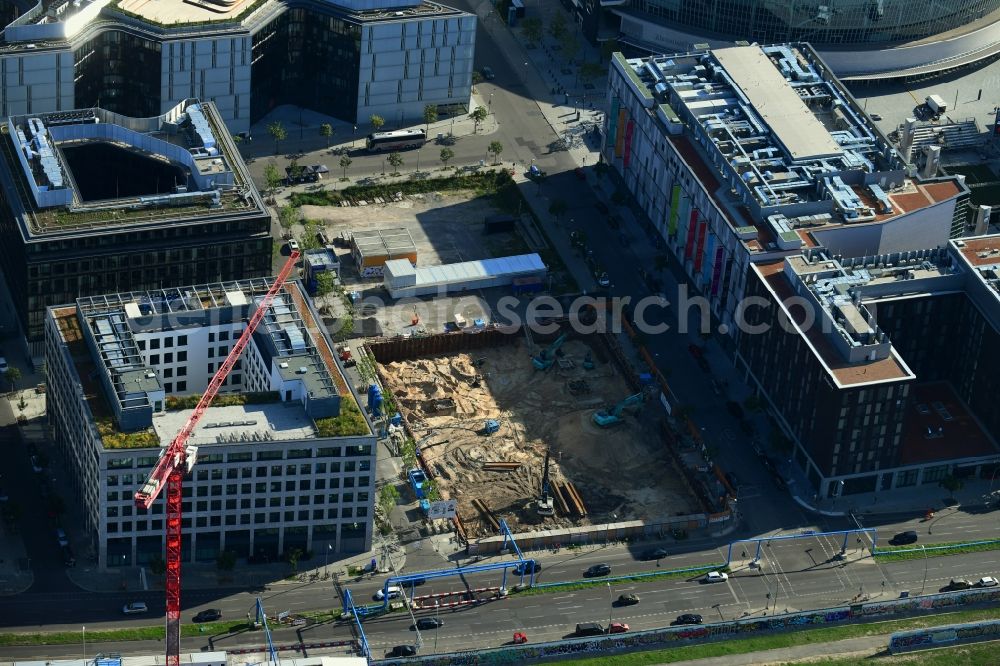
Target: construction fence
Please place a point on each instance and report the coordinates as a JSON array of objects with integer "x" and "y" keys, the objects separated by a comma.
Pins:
[{"x": 681, "y": 636}]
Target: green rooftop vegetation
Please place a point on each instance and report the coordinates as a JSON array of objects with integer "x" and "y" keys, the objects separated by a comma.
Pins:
[
  {"x": 176, "y": 402},
  {"x": 627, "y": 68},
  {"x": 115, "y": 439},
  {"x": 350, "y": 421}
]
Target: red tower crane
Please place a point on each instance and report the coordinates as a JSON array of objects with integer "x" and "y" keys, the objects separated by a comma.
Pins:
[{"x": 178, "y": 458}]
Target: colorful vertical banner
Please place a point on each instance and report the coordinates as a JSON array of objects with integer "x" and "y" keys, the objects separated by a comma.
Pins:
[
  {"x": 717, "y": 270},
  {"x": 675, "y": 203},
  {"x": 691, "y": 233},
  {"x": 613, "y": 118},
  {"x": 628, "y": 142},
  {"x": 699, "y": 252},
  {"x": 620, "y": 133}
]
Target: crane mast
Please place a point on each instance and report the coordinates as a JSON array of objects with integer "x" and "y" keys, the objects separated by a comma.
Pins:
[{"x": 178, "y": 458}]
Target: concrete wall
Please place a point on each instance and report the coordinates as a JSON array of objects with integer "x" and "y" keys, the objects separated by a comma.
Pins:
[
  {"x": 918, "y": 230},
  {"x": 211, "y": 69},
  {"x": 35, "y": 82}
]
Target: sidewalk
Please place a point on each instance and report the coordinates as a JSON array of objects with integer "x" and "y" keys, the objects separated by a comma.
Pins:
[{"x": 863, "y": 648}]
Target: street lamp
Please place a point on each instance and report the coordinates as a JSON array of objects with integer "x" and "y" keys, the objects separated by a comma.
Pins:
[
  {"x": 84, "y": 630},
  {"x": 924, "y": 584},
  {"x": 437, "y": 616},
  {"x": 326, "y": 559},
  {"x": 355, "y": 137},
  {"x": 611, "y": 605}
]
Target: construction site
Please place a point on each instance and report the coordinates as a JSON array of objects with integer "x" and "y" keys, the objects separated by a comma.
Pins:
[{"x": 543, "y": 434}]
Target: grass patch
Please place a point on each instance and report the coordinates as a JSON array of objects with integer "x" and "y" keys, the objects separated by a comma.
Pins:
[
  {"x": 959, "y": 655},
  {"x": 227, "y": 400},
  {"x": 350, "y": 421},
  {"x": 598, "y": 582},
  {"x": 157, "y": 633},
  {"x": 485, "y": 183},
  {"x": 323, "y": 616},
  {"x": 115, "y": 439},
  {"x": 745, "y": 646},
  {"x": 887, "y": 553}
]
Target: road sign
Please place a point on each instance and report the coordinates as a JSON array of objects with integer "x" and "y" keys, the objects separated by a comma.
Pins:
[{"x": 443, "y": 509}]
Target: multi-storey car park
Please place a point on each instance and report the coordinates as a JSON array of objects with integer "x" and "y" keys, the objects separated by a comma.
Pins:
[
  {"x": 348, "y": 59},
  {"x": 746, "y": 154},
  {"x": 860, "y": 39},
  {"x": 285, "y": 456},
  {"x": 856, "y": 358},
  {"x": 94, "y": 202}
]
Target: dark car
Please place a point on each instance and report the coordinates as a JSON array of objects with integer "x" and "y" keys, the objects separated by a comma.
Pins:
[
  {"x": 904, "y": 538},
  {"x": 402, "y": 651},
  {"x": 628, "y": 599},
  {"x": 956, "y": 584},
  {"x": 526, "y": 568},
  {"x": 429, "y": 623},
  {"x": 589, "y": 629},
  {"x": 488, "y": 73},
  {"x": 734, "y": 409},
  {"x": 688, "y": 618},
  {"x": 655, "y": 554},
  {"x": 208, "y": 615},
  {"x": 415, "y": 582},
  {"x": 598, "y": 570},
  {"x": 602, "y": 207}
]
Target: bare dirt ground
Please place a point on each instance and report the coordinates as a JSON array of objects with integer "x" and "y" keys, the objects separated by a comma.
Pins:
[{"x": 620, "y": 472}]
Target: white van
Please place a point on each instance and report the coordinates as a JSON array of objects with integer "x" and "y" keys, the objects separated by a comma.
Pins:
[{"x": 394, "y": 592}]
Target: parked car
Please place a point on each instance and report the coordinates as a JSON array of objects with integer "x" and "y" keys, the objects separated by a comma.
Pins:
[
  {"x": 598, "y": 570},
  {"x": 3, "y": 364},
  {"x": 208, "y": 615},
  {"x": 134, "y": 607},
  {"x": 987, "y": 581},
  {"x": 429, "y": 623},
  {"x": 628, "y": 599},
  {"x": 904, "y": 538},
  {"x": 655, "y": 554},
  {"x": 688, "y": 618},
  {"x": 402, "y": 651},
  {"x": 293, "y": 245},
  {"x": 617, "y": 628},
  {"x": 956, "y": 584},
  {"x": 589, "y": 629},
  {"x": 488, "y": 73},
  {"x": 394, "y": 591},
  {"x": 716, "y": 577},
  {"x": 876, "y": 117},
  {"x": 525, "y": 568}
]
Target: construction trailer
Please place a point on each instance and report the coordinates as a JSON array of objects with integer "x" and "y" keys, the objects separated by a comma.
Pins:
[
  {"x": 403, "y": 279},
  {"x": 372, "y": 249}
]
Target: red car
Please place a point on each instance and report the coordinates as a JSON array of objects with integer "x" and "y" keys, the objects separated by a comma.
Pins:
[
  {"x": 580, "y": 174},
  {"x": 617, "y": 628},
  {"x": 520, "y": 638}
]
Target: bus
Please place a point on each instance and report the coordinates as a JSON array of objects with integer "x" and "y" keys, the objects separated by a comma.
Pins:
[{"x": 398, "y": 140}]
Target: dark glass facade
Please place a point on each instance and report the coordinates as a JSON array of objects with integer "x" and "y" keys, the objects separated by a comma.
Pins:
[
  {"x": 827, "y": 22},
  {"x": 308, "y": 59},
  {"x": 119, "y": 72}
]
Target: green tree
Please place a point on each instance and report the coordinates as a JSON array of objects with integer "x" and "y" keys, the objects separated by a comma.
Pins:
[
  {"x": 557, "y": 26},
  {"x": 558, "y": 207},
  {"x": 226, "y": 561},
  {"x": 478, "y": 115},
  {"x": 345, "y": 328},
  {"x": 324, "y": 283},
  {"x": 326, "y": 131},
  {"x": 278, "y": 133},
  {"x": 295, "y": 170},
  {"x": 495, "y": 148},
  {"x": 532, "y": 29},
  {"x": 12, "y": 375},
  {"x": 608, "y": 48},
  {"x": 157, "y": 566},
  {"x": 345, "y": 162},
  {"x": 376, "y": 122},
  {"x": 272, "y": 176},
  {"x": 396, "y": 161},
  {"x": 293, "y": 557},
  {"x": 430, "y": 116},
  {"x": 288, "y": 216},
  {"x": 446, "y": 154},
  {"x": 477, "y": 77},
  {"x": 387, "y": 498},
  {"x": 570, "y": 45},
  {"x": 952, "y": 484},
  {"x": 237, "y": 138}
]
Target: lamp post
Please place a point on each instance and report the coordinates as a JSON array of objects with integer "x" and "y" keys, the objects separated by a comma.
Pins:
[
  {"x": 437, "y": 616},
  {"x": 611, "y": 605},
  {"x": 84, "y": 630},
  {"x": 924, "y": 584},
  {"x": 326, "y": 559},
  {"x": 354, "y": 138}
]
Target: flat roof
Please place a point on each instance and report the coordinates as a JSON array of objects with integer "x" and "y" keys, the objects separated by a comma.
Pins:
[
  {"x": 939, "y": 426},
  {"x": 980, "y": 251},
  {"x": 232, "y": 424},
  {"x": 170, "y": 12},
  {"x": 781, "y": 108},
  {"x": 467, "y": 270}
]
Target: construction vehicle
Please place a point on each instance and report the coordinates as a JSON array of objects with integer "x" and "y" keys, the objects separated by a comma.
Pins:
[
  {"x": 179, "y": 457},
  {"x": 417, "y": 480},
  {"x": 546, "y": 505},
  {"x": 547, "y": 356},
  {"x": 606, "y": 418},
  {"x": 491, "y": 426},
  {"x": 344, "y": 352},
  {"x": 588, "y": 361}
]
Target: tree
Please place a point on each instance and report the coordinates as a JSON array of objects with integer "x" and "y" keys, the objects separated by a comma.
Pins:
[
  {"x": 558, "y": 207},
  {"x": 592, "y": 70},
  {"x": 387, "y": 498},
  {"x": 557, "y": 26},
  {"x": 532, "y": 29},
  {"x": 496, "y": 148},
  {"x": 293, "y": 557},
  {"x": 326, "y": 131},
  {"x": 477, "y": 77},
  {"x": 157, "y": 566},
  {"x": 952, "y": 484},
  {"x": 295, "y": 171},
  {"x": 226, "y": 561},
  {"x": 607, "y": 48},
  {"x": 324, "y": 283},
  {"x": 345, "y": 328},
  {"x": 272, "y": 176},
  {"x": 446, "y": 154},
  {"x": 278, "y": 133},
  {"x": 288, "y": 216},
  {"x": 237, "y": 138},
  {"x": 12, "y": 375},
  {"x": 430, "y": 116},
  {"x": 396, "y": 161},
  {"x": 570, "y": 46},
  {"x": 345, "y": 162},
  {"x": 478, "y": 115},
  {"x": 376, "y": 122}
]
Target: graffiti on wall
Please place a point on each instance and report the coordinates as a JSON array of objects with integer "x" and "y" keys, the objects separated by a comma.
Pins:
[{"x": 919, "y": 639}]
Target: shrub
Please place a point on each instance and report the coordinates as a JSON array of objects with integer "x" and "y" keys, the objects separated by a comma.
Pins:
[
  {"x": 350, "y": 421},
  {"x": 175, "y": 402}
]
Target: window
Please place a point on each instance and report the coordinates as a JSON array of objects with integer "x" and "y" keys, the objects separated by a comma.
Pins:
[
  {"x": 154, "y": 359},
  {"x": 168, "y": 373},
  {"x": 269, "y": 455},
  {"x": 363, "y": 481},
  {"x": 239, "y": 457},
  {"x": 181, "y": 341},
  {"x": 182, "y": 386},
  {"x": 168, "y": 357},
  {"x": 347, "y": 512},
  {"x": 211, "y": 366},
  {"x": 141, "y": 344},
  {"x": 211, "y": 337},
  {"x": 223, "y": 335},
  {"x": 182, "y": 356},
  {"x": 168, "y": 342},
  {"x": 168, "y": 387},
  {"x": 154, "y": 343},
  {"x": 182, "y": 371},
  {"x": 223, "y": 351}
]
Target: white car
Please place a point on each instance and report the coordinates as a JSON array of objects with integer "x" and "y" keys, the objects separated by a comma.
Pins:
[
  {"x": 394, "y": 591},
  {"x": 134, "y": 608},
  {"x": 3, "y": 364},
  {"x": 293, "y": 245},
  {"x": 716, "y": 577},
  {"x": 987, "y": 581}
]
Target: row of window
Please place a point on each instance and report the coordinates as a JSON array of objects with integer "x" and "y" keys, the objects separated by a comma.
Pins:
[
  {"x": 240, "y": 519},
  {"x": 247, "y": 456},
  {"x": 263, "y": 486},
  {"x": 202, "y": 506}
]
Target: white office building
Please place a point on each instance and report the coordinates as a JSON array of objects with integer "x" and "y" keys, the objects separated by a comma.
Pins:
[{"x": 286, "y": 455}]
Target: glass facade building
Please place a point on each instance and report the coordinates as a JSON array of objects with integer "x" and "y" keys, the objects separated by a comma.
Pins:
[
  {"x": 119, "y": 72},
  {"x": 832, "y": 22}
]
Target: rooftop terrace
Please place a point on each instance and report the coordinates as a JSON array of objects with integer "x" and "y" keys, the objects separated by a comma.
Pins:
[
  {"x": 939, "y": 426},
  {"x": 278, "y": 421}
]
